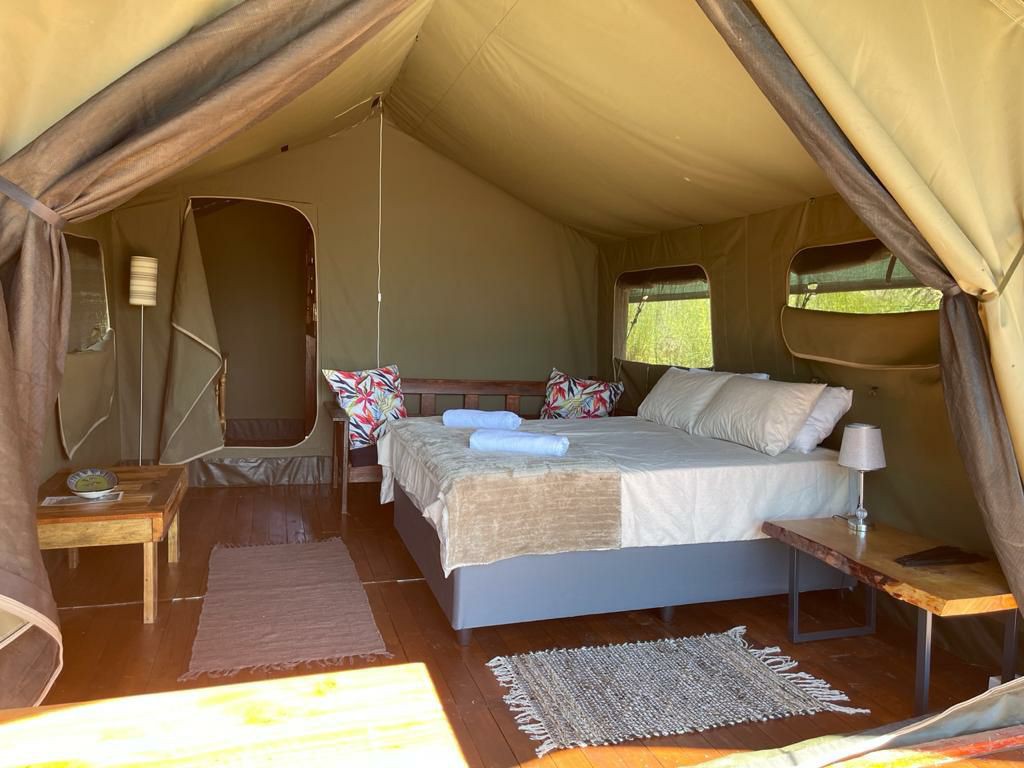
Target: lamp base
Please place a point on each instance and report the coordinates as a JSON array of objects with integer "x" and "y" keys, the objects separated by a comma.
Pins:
[{"x": 859, "y": 524}]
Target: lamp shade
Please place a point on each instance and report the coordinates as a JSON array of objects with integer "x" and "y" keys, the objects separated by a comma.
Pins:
[
  {"x": 862, "y": 448},
  {"x": 142, "y": 282}
]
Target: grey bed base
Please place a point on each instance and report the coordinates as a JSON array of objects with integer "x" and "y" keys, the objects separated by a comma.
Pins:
[{"x": 537, "y": 587}]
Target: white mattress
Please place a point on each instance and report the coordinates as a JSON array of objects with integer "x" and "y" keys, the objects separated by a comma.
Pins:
[{"x": 676, "y": 488}]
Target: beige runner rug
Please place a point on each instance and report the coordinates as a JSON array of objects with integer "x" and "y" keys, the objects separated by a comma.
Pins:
[{"x": 275, "y": 607}]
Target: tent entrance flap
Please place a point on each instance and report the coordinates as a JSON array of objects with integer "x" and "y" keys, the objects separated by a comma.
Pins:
[{"x": 191, "y": 418}]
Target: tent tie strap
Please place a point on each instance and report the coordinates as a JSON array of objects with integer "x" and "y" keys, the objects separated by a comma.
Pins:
[
  {"x": 35, "y": 207},
  {"x": 990, "y": 295}
]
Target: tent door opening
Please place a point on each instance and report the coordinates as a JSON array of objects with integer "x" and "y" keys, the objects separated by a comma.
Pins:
[{"x": 260, "y": 264}]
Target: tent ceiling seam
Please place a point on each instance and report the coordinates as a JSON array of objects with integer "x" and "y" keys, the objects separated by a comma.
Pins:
[
  {"x": 466, "y": 66},
  {"x": 1003, "y": 6}
]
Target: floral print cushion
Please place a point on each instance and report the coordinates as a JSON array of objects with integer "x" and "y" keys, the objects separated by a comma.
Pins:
[
  {"x": 572, "y": 398},
  {"x": 371, "y": 399}
]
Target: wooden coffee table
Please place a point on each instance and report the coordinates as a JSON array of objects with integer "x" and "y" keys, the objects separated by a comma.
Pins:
[
  {"x": 939, "y": 590},
  {"x": 146, "y": 513}
]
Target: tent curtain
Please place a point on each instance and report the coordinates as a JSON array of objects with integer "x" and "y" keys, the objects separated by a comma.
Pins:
[
  {"x": 191, "y": 423},
  {"x": 929, "y": 93},
  {"x": 976, "y": 411},
  {"x": 158, "y": 118}
]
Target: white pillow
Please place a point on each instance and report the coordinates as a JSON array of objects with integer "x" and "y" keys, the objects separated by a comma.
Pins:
[
  {"x": 760, "y": 376},
  {"x": 679, "y": 397},
  {"x": 763, "y": 415},
  {"x": 830, "y": 408}
]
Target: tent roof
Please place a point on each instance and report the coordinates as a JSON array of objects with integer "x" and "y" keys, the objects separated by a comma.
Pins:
[
  {"x": 625, "y": 119},
  {"x": 628, "y": 119}
]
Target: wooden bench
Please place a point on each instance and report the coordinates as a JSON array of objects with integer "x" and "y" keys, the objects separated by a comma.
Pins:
[
  {"x": 427, "y": 390},
  {"x": 968, "y": 589}
]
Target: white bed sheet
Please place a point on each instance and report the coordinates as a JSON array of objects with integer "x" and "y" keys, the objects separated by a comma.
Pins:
[{"x": 676, "y": 488}]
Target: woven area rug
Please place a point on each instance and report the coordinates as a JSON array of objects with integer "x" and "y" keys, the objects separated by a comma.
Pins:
[
  {"x": 278, "y": 606},
  {"x": 606, "y": 695}
]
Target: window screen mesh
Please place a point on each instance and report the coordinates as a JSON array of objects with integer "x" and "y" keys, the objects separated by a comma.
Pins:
[
  {"x": 669, "y": 284},
  {"x": 853, "y": 267},
  {"x": 89, "y": 317},
  {"x": 860, "y": 278},
  {"x": 666, "y": 317}
]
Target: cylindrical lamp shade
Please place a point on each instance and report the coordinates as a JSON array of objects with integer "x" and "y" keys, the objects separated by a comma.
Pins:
[
  {"x": 862, "y": 448},
  {"x": 142, "y": 283}
]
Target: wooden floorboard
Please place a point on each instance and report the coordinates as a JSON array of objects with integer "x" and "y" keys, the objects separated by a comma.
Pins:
[{"x": 109, "y": 652}]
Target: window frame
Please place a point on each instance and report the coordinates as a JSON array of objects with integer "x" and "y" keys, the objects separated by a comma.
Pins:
[{"x": 620, "y": 314}]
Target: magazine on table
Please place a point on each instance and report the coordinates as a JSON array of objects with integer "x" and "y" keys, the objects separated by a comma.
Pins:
[{"x": 68, "y": 501}]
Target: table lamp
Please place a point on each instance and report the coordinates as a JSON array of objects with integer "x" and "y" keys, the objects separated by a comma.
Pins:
[
  {"x": 142, "y": 294},
  {"x": 861, "y": 450}
]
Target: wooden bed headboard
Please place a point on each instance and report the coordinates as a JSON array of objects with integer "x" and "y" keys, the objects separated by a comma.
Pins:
[{"x": 471, "y": 391}]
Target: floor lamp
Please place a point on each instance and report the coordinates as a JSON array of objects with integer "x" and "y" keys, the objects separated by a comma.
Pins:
[{"x": 142, "y": 294}]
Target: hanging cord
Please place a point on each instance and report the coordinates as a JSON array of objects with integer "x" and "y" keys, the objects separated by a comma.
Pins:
[{"x": 380, "y": 185}]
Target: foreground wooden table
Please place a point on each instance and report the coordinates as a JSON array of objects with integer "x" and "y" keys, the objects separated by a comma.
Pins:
[
  {"x": 938, "y": 590},
  {"x": 147, "y": 513},
  {"x": 382, "y": 717}
]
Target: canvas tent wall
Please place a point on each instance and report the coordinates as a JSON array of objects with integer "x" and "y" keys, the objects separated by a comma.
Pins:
[
  {"x": 664, "y": 151},
  {"x": 475, "y": 284}
]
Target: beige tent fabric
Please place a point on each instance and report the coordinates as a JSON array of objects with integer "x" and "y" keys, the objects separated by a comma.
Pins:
[
  {"x": 55, "y": 54},
  {"x": 191, "y": 423},
  {"x": 475, "y": 283},
  {"x": 747, "y": 261},
  {"x": 898, "y": 743},
  {"x": 86, "y": 395},
  {"x": 529, "y": 95},
  {"x": 853, "y": 340},
  {"x": 931, "y": 98},
  {"x": 621, "y": 119},
  {"x": 156, "y": 119},
  {"x": 338, "y": 102}
]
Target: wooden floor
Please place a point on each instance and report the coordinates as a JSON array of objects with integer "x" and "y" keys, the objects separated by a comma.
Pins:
[{"x": 109, "y": 652}]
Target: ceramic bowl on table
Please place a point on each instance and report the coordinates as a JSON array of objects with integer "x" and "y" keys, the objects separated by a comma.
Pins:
[{"x": 92, "y": 483}]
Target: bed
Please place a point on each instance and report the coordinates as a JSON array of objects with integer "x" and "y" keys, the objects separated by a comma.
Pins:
[{"x": 645, "y": 516}]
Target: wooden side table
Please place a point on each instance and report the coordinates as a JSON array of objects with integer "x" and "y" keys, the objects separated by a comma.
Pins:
[
  {"x": 945, "y": 590},
  {"x": 147, "y": 512}
]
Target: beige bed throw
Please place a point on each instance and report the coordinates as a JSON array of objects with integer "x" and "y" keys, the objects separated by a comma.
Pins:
[{"x": 501, "y": 505}]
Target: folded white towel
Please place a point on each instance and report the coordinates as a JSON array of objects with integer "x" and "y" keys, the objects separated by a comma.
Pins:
[
  {"x": 518, "y": 442},
  {"x": 470, "y": 419}
]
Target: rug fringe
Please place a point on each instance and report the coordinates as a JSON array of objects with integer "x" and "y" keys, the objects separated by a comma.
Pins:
[
  {"x": 818, "y": 689},
  {"x": 518, "y": 700},
  {"x": 285, "y": 666}
]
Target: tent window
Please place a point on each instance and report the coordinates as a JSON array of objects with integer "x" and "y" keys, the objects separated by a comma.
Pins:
[
  {"x": 862, "y": 278},
  {"x": 90, "y": 318},
  {"x": 665, "y": 317}
]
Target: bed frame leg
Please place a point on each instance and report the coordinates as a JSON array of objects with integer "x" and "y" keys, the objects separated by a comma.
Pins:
[
  {"x": 464, "y": 636},
  {"x": 666, "y": 613}
]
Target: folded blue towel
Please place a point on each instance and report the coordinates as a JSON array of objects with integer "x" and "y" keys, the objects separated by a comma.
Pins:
[
  {"x": 518, "y": 442},
  {"x": 470, "y": 419}
]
